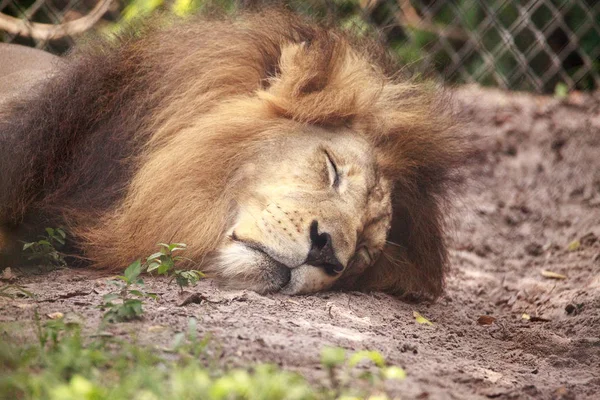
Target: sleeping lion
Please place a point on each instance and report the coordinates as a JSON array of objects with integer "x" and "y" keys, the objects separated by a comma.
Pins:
[{"x": 288, "y": 156}]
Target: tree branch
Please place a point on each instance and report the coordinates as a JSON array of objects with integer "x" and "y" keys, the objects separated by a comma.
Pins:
[{"x": 39, "y": 31}]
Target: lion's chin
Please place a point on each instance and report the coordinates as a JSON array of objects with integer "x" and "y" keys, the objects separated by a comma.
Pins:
[
  {"x": 241, "y": 267},
  {"x": 308, "y": 279}
]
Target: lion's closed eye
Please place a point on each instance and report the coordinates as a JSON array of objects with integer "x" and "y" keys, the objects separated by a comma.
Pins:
[{"x": 332, "y": 170}]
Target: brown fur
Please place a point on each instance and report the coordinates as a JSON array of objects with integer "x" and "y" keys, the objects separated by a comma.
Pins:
[{"x": 117, "y": 140}]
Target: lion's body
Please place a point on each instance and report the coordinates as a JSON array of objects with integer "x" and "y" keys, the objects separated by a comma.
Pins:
[
  {"x": 22, "y": 67},
  {"x": 166, "y": 136}
]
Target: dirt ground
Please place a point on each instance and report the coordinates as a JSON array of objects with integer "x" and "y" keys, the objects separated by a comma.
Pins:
[{"x": 532, "y": 203}]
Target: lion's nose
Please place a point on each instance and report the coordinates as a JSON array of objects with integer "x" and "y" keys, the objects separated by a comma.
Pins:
[{"x": 321, "y": 252}]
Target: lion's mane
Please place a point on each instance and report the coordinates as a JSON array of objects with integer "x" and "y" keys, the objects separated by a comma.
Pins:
[{"x": 111, "y": 145}]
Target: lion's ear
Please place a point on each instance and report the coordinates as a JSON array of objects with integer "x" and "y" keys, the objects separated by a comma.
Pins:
[
  {"x": 304, "y": 70},
  {"x": 322, "y": 82}
]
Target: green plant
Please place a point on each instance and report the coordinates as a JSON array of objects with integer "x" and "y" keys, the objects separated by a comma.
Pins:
[
  {"x": 189, "y": 346},
  {"x": 136, "y": 10},
  {"x": 561, "y": 90},
  {"x": 119, "y": 304},
  {"x": 163, "y": 262},
  {"x": 341, "y": 370},
  {"x": 187, "y": 278},
  {"x": 46, "y": 250},
  {"x": 125, "y": 303},
  {"x": 50, "y": 333},
  {"x": 5, "y": 291},
  {"x": 66, "y": 365}
]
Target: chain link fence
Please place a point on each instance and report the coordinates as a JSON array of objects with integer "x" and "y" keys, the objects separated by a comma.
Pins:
[
  {"x": 534, "y": 45},
  {"x": 530, "y": 45}
]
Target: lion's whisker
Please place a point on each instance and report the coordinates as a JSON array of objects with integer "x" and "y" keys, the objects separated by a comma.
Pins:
[{"x": 393, "y": 244}]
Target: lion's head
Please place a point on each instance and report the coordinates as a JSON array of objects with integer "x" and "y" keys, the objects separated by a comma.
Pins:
[
  {"x": 313, "y": 204},
  {"x": 287, "y": 156}
]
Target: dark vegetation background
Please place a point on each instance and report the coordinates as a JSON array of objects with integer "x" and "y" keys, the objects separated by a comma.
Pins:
[{"x": 543, "y": 46}]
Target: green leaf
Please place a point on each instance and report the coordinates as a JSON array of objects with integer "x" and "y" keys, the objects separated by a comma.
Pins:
[
  {"x": 561, "y": 90},
  {"x": 28, "y": 245},
  {"x": 177, "y": 340},
  {"x": 574, "y": 245},
  {"x": 133, "y": 271},
  {"x": 50, "y": 231},
  {"x": 163, "y": 269},
  {"x": 154, "y": 256},
  {"x": 394, "y": 373},
  {"x": 114, "y": 282},
  {"x": 137, "y": 9},
  {"x": 187, "y": 278},
  {"x": 373, "y": 356},
  {"x": 199, "y": 273},
  {"x": 130, "y": 309},
  {"x": 181, "y": 8},
  {"x": 152, "y": 266},
  {"x": 192, "y": 329},
  {"x": 421, "y": 319},
  {"x": 110, "y": 297},
  {"x": 332, "y": 356},
  {"x": 167, "y": 260},
  {"x": 181, "y": 280},
  {"x": 58, "y": 239}
]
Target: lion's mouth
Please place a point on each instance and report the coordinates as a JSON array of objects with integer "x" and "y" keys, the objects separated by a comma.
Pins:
[
  {"x": 280, "y": 277},
  {"x": 277, "y": 273}
]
